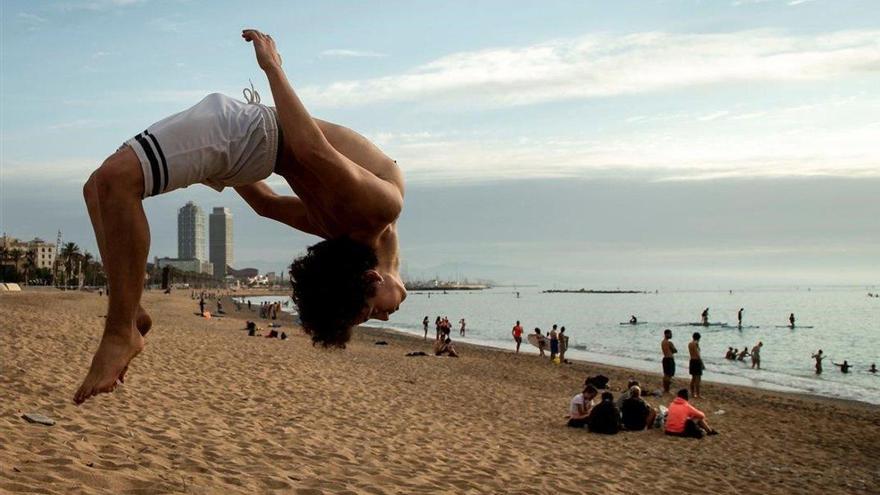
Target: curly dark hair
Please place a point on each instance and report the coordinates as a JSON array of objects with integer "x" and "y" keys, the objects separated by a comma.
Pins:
[{"x": 330, "y": 288}]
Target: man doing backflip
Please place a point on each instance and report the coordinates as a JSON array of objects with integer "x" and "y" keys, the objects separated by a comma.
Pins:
[{"x": 346, "y": 191}]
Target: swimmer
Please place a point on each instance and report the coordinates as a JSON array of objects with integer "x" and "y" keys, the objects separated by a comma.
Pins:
[
  {"x": 819, "y": 357},
  {"x": 844, "y": 367}
]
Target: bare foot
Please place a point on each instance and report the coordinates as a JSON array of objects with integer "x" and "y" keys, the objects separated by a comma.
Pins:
[
  {"x": 112, "y": 357},
  {"x": 143, "y": 323}
]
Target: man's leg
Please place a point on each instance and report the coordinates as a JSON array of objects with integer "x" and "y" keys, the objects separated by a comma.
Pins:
[
  {"x": 90, "y": 193},
  {"x": 119, "y": 184}
]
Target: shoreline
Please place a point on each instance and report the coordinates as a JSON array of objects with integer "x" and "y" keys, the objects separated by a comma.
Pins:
[{"x": 714, "y": 379}]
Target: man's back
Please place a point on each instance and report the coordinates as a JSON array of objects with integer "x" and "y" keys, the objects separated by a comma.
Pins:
[
  {"x": 634, "y": 413},
  {"x": 605, "y": 418}
]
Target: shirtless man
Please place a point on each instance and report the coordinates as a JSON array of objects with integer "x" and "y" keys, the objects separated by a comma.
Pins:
[
  {"x": 739, "y": 317},
  {"x": 347, "y": 192},
  {"x": 756, "y": 355},
  {"x": 819, "y": 357},
  {"x": 791, "y": 320},
  {"x": 695, "y": 367},
  {"x": 669, "y": 351}
]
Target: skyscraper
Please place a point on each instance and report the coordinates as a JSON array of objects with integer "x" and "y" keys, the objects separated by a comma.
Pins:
[
  {"x": 191, "y": 239},
  {"x": 221, "y": 240}
]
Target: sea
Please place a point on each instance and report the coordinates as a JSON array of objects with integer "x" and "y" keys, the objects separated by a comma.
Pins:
[{"x": 842, "y": 321}]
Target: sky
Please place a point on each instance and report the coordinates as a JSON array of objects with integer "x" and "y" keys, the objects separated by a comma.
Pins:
[{"x": 589, "y": 144}]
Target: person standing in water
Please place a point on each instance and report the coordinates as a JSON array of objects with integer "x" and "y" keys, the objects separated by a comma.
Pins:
[
  {"x": 739, "y": 318},
  {"x": 696, "y": 366},
  {"x": 756, "y": 355},
  {"x": 425, "y": 327},
  {"x": 669, "y": 351},
  {"x": 461, "y": 330},
  {"x": 844, "y": 367},
  {"x": 818, "y": 357},
  {"x": 517, "y": 332},
  {"x": 791, "y": 320},
  {"x": 704, "y": 319},
  {"x": 873, "y": 368}
]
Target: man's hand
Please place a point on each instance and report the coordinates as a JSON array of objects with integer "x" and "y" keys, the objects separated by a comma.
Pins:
[{"x": 264, "y": 47}]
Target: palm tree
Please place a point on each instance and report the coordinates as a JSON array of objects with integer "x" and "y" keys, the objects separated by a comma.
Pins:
[
  {"x": 30, "y": 262},
  {"x": 87, "y": 267},
  {"x": 71, "y": 253}
]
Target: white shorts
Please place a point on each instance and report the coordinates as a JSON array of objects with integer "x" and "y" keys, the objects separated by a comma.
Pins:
[{"x": 220, "y": 142}]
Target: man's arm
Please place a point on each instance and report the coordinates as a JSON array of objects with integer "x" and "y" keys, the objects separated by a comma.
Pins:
[
  {"x": 375, "y": 200},
  {"x": 288, "y": 210}
]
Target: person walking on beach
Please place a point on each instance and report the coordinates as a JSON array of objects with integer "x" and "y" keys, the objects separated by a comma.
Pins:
[
  {"x": 791, "y": 320},
  {"x": 425, "y": 327},
  {"x": 554, "y": 343},
  {"x": 542, "y": 342},
  {"x": 704, "y": 317},
  {"x": 517, "y": 332},
  {"x": 347, "y": 191},
  {"x": 756, "y": 355},
  {"x": 461, "y": 330},
  {"x": 695, "y": 367},
  {"x": 818, "y": 357},
  {"x": 437, "y": 325},
  {"x": 739, "y": 318},
  {"x": 669, "y": 351},
  {"x": 202, "y": 306}
]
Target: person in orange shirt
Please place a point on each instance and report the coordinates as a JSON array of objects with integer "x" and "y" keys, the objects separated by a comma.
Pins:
[
  {"x": 517, "y": 334},
  {"x": 685, "y": 420}
]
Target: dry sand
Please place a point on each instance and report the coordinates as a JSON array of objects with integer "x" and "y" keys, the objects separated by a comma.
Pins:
[{"x": 207, "y": 409}]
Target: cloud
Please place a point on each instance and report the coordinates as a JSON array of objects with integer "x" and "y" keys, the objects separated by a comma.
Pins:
[
  {"x": 341, "y": 52},
  {"x": 607, "y": 65},
  {"x": 31, "y": 22},
  {"x": 828, "y": 138}
]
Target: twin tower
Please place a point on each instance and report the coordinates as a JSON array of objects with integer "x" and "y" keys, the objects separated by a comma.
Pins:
[{"x": 191, "y": 237}]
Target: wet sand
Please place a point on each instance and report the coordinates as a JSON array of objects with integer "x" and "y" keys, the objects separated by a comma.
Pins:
[{"x": 207, "y": 409}]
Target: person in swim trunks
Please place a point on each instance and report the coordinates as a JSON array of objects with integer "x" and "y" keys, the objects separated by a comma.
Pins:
[
  {"x": 346, "y": 191},
  {"x": 695, "y": 367},
  {"x": 669, "y": 351},
  {"x": 517, "y": 332}
]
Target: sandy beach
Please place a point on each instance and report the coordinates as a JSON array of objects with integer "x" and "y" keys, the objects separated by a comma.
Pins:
[{"x": 207, "y": 409}]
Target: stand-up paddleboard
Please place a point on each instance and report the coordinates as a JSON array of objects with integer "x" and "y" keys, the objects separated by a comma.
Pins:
[
  {"x": 533, "y": 339},
  {"x": 716, "y": 324},
  {"x": 637, "y": 323},
  {"x": 796, "y": 326},
  {"x": 740, "y": 327}
]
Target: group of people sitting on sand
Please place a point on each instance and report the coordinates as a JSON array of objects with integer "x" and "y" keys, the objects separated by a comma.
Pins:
[
  {"x": 632, "y": 413},
  {"x": 734, "y": 355},
  {"x": 252, "y": 330}
]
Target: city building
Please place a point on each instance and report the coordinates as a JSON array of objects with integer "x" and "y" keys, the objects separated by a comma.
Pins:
[
  {"x": 220, "y": 243},
  {"x": 191, "y": 238},
  {"x": 43, "y": 252},
  {"x": 190, "y": 265}
]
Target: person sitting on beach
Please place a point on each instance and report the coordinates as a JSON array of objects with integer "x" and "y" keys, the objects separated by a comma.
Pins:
[
  {"x": 756, "y": 355},
  {"x": 542, "y": 343},
  {"x": 635, "y": 413},
  {"x": 844, "y": 367},
  {"x": 743, "y": 355},
  {"x": 580, "y": 407},
  {"x": 818, "y": 357},
  {"x": 445, "y": 347},
  {"x": 626, "y": 392},
  {"x": 605, "y": 416},
  {"x": 685, "y": 420}
]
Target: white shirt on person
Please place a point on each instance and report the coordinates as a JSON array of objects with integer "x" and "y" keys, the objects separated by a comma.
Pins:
[{"x": 579, "y": 400}]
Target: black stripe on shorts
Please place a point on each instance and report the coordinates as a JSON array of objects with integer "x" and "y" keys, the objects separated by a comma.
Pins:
[
  {"x": 154, "y": 164},
  {"x": 161, "y": 157}
]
